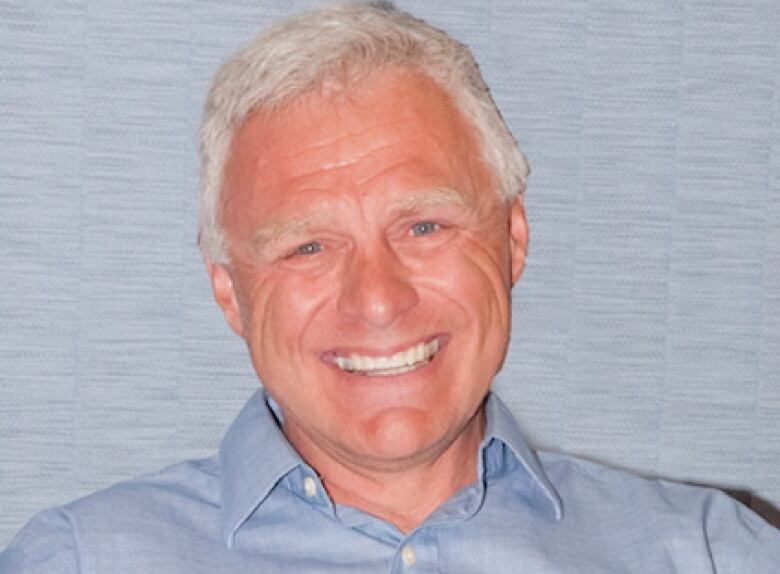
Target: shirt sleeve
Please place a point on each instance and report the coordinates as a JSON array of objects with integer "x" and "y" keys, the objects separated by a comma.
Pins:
[{"x": 46, "y": 545}]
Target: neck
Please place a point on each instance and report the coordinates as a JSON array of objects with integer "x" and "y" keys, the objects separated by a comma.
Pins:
[{"x": 407, "y": 494}]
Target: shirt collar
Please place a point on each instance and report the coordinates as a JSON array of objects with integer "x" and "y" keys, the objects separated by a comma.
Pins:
[
  {"x": 255, "y": 455},
  {"x": 501, "y": 428}
]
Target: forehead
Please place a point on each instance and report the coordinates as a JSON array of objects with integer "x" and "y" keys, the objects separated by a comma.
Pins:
[{"x": 394, "y": 133}]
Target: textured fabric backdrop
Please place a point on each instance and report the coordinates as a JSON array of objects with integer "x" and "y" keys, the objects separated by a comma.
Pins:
[{"x": 646, "y": 328}]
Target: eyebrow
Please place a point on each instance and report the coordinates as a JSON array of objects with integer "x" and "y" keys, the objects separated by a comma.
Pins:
[
  {"x": 276, "y": 231},
  {"x": 429, "y": 197}
]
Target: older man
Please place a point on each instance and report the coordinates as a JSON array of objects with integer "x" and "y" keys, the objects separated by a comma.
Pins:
[{"x": 362, "y": 225}]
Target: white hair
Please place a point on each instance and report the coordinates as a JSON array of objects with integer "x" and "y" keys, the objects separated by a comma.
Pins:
[{"x": 341, "y": 45}]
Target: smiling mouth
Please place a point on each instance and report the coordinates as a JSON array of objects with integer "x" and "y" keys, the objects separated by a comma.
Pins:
[{"x": 398, "y": 363}]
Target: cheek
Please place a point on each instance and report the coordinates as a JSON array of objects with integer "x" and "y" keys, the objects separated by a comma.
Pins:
[
  {"x": 283, "y": 308},
  {"x": 472, "y": 275}
]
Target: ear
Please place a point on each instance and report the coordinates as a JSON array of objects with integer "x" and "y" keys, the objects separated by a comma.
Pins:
[
  {"x": 518, "y": 237},
  {"x": 225, "y": 295}
]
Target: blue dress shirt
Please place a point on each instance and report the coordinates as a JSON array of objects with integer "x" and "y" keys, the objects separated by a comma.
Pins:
[{"x": 257, "y": 507}]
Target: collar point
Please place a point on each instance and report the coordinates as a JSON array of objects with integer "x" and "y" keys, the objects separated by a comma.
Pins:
[{"x": 229, "y": 536}]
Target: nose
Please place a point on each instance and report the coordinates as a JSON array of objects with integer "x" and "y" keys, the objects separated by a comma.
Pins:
[{"x": 376, "y": 288}]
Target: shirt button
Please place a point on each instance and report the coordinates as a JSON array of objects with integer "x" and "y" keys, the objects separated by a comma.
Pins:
[
  {"x": 309, "y": 486},
  {"x": 408, "y": 555}
]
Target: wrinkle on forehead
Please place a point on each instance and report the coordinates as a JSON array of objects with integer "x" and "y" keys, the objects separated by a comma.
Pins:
[
  {"x": 362, "y": 157},
  {"x": 364, "y": 149}
]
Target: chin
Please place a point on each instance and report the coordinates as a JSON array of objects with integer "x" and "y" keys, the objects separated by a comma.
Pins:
[{"x": 401, "y": 434}]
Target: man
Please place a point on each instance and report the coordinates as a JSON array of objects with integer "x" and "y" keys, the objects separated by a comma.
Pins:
[{"x": 362, "y": 225}]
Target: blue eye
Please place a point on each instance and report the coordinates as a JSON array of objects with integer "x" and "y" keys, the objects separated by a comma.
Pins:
[
  {"x": 309, "y": 248},
  {"x": 424, "y": 228}
]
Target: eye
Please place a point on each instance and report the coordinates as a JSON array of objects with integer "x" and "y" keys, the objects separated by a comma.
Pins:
[
  {"x": 310, "y": 248},
  {"x": 424, "y": 228}
]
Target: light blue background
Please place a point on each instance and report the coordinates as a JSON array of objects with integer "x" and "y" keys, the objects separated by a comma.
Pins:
[{"x": 646, "y": 326}]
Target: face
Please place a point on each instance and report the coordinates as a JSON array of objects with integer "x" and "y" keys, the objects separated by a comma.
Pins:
[{"x": 371, "y": 264}]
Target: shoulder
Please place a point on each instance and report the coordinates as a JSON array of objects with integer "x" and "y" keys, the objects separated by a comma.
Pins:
[
  {"x": 179, "y": 497},
  {"x": 46, "y": 544},
  {"x": 666, "y": 514},
  {"x": 581, "y": 479},
  {"x": 188, "y": 481},
  {"x": 137, "y": 510}
]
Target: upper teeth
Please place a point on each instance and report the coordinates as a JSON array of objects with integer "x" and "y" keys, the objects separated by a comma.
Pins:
[{"x": 400, "y": 362}]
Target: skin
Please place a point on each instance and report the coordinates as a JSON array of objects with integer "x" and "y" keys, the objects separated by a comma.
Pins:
[{"x": 365, "y": 222}]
